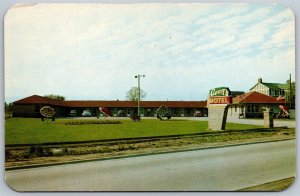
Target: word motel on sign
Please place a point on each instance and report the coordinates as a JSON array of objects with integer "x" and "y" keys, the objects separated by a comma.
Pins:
[{"x": 220, "y": 100}]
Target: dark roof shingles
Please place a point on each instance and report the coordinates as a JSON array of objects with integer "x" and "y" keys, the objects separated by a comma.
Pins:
[
  {"x": 36, "y": 99},
  {"x": 256, "y": 97},
  {"x": 186, "y": 104}
]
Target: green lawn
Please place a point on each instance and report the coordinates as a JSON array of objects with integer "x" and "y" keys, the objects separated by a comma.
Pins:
[{"x": 34, "y": 131}]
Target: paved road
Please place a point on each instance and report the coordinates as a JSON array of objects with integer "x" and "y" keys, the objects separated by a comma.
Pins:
[{"x": 225, "y": 169}]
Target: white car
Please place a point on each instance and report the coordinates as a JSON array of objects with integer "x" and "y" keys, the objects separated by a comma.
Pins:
[
  {"x": 86, "y": 113},
  {"x": 72, "y": 113}
]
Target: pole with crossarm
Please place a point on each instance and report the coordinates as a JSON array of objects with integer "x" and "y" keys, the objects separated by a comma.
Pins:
[{"x": 139, "y": 91}]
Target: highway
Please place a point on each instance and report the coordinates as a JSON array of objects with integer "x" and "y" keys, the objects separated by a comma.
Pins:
[{"x": 217, "y": 169}]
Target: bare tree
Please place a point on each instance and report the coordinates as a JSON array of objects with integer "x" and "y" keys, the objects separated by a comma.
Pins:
[{"x": 133, "y": 94}]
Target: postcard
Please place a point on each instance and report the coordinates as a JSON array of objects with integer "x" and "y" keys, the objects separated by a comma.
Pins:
[{"x": 150, "y": 97}]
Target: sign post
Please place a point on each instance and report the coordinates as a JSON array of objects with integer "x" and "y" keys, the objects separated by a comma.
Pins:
[{"x": 218, "y": 101}]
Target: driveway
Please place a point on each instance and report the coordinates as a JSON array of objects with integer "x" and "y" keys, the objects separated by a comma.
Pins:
[{"x": 277, "y": 122}]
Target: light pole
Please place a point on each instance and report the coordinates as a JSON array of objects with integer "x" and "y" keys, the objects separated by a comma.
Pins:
[{"x": 139, "y": 97}]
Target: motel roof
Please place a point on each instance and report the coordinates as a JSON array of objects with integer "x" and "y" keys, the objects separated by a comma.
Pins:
[
  {"x": 256, "y": 97},
  {"x": 273, "y": 85},
  {"x": 36, "y": 99},
  {"x": 149, "y": 104}
]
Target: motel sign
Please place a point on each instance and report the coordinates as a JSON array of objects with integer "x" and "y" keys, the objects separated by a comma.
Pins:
[
  {"x": 220, "y": 95},
  {"x": 218, "y": 101}
]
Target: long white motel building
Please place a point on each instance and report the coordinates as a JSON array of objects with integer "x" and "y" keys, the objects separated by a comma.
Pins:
[
  {"x": 246, "y": 105},
  {"x": 30, "y": 107}
]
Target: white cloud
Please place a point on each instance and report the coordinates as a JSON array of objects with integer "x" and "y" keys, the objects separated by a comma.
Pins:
[{"x": 184, "y": 49}]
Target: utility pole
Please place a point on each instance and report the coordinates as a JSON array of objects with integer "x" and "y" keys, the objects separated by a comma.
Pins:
[{"x": 139, "y": 96}]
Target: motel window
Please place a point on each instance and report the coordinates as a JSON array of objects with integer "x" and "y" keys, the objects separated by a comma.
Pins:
[
  {"x": 255, "y": 108},
  {"x": 272, "y": 92},
  {"x": 154, "y": 111},
  {"x": 188, "y": 111},
  {"x": 182, "y": 111},
  {"x": 175, "y": 111},
  {"x": 115, "y": 111},
  {"x": 142, "y": 111},
  {"x": 148, "y": 111},
  {"x": 128, "y": 111},
  {"x": 37, "y": 108},
  {"x": 248, "y": 108}
]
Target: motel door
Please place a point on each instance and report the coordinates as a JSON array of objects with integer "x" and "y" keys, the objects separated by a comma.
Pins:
[
  {"x": 128, "y": 111},
  {"x": 142, "y": 111},
  {"x": 182, "y": 112}
]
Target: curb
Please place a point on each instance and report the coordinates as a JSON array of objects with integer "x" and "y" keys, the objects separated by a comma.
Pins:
[{"x": 138, "y": 155}]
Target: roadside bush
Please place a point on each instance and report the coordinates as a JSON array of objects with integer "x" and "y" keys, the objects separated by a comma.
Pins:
[
  {"x": 20, "y": 156},
  {"x": 40, "y": 151},
  {"x": 8, "y": 116},
  {"x": 8, "y": 154},
  {"x": 85, "y": 122},
  {"x": 37, "y": 150}
]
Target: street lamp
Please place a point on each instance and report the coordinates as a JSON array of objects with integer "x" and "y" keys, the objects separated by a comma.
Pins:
[{"x": 139, "y": 97}]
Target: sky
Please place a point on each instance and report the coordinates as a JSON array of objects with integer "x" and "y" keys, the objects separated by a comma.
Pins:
[{"x": 93, "y": 51}]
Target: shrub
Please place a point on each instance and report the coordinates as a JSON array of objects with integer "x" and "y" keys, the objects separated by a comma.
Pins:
[
  {"x": 8, "y": 154},
  {"x": 36, "y": 150}
]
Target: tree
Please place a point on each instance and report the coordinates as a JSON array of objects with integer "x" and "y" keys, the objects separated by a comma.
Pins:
[
  {"x": 133, "y": 94},
  {"x": 291, "y": 93},
  {"x": 8, "y": 108},
  {"x": 58, "y": 97}
]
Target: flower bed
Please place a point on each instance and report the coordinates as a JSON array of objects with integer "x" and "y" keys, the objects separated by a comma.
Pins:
[{"x": 85, "y": 122}]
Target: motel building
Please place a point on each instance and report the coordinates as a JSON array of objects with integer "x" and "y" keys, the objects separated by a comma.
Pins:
[
  {"x": 30, "y": 107},
  {"x": 262, "y": 95},
  {"x": 247, "y": 105},
  {"x": 244, "y": 105},
  {"x": 252, "y": 104}
]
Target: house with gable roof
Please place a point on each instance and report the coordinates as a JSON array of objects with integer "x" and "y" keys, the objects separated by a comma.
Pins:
[
  {"x": 271, "y": 89},
  {"x": 252, "y": 104}
]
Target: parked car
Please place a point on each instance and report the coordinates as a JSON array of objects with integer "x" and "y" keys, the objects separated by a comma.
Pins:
[
  {"x": 198, "y": 114},
  {"x": 86, "y": 113},
  {"x": 121, "y": 113},
  {"x": 72, "y": 113}
]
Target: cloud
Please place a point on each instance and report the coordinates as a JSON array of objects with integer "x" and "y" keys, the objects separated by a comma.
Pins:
[{"x": 93, "y": 51}]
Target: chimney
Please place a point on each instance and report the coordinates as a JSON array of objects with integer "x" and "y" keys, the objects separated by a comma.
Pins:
[{"x": 259, "y": 80}]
